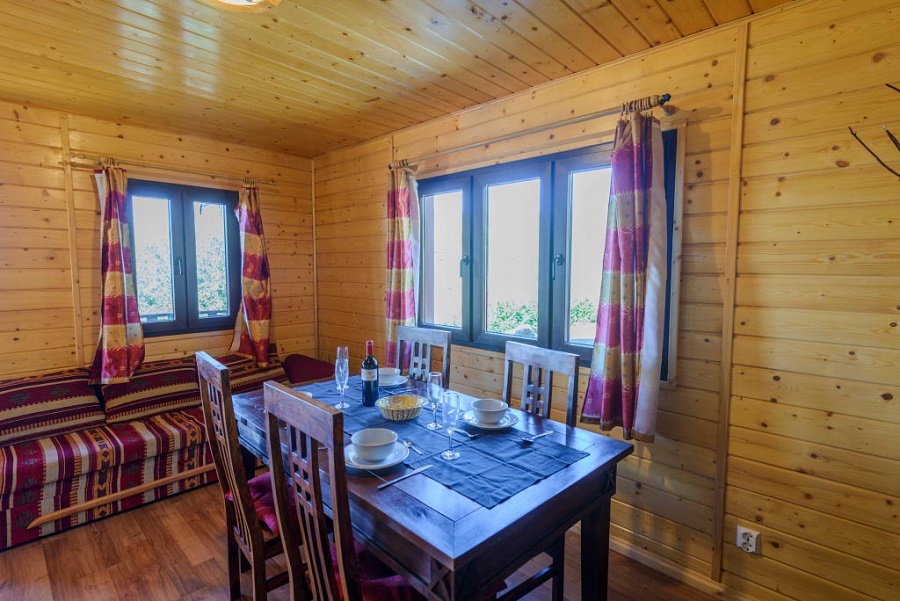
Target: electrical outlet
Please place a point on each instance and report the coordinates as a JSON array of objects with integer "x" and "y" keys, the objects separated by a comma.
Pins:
[{"x": 748, "y": 540}]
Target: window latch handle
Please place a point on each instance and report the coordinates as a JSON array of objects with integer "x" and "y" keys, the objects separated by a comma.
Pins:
[
  {"x": 463, "y": 264},
  {"x": 179, "y": 266},
  {"x": 558, "y": 261}
]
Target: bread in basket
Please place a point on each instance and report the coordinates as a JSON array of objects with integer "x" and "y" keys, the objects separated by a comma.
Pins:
[{"x": 401, "y": 407}]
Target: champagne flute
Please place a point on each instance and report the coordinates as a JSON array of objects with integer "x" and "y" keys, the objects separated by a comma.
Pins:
[
  {"x": 435, "y": 390},
  {"x": 341, "y": 374},
  {"x": 449, "y": 416}
]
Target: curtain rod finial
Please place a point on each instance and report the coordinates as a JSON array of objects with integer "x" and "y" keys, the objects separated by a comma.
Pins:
[{"x": 664, "y": 98}]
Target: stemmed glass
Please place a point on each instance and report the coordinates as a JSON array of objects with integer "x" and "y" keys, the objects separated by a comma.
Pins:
[
  {"x": 435, "y": 390},
  {"x": 342, "y": 373},
  {"x": 449, "y": 415}
]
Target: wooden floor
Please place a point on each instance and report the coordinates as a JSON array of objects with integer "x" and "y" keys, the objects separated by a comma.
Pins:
[{"x": 175, "y": 549}]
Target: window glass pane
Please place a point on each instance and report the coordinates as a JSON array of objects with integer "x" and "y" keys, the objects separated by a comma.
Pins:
[
  {"x": 589, "y": 198},
  {"x": 153, "y": 258},
  {"x": 443, "y": 251},
  {"x": 511, "y": 275},
  {"x": 212, "y": 260}
]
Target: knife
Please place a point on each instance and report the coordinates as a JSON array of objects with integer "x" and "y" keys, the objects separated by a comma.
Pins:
[{"x": 418, "y": 470}]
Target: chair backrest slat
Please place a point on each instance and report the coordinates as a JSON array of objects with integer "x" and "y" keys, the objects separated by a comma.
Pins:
[
  {"x": 421, "y": 342},
  {"x": 539, "y": 365},
  {"x": 222, "y": 435},
  {"x": 300, "y": 429}
]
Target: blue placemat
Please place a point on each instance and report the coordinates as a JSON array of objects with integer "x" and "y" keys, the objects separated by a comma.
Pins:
[{"x": 493, "y": 467}]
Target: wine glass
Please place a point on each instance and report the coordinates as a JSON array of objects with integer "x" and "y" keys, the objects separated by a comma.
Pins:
[
  {"x": 341, "y": 374},
  {"x": 435, "y": 390},
  {"x": 449, "y": 415}
]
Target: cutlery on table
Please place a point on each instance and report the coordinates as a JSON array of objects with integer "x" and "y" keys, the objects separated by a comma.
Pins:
[
  {"x": 418, "y": 470},
  {"x": 531, "y": 439},
  {"x": 471, "y": 436},
  {"x": 410, "y": 445}
]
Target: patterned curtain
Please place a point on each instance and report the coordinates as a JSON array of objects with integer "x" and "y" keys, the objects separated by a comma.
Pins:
[
  {"x": 120, "y": 349},
  {"x": 401, "y": 295},
  {"x": 623, "y": 388},
  {"x": 251, "y": 329}
]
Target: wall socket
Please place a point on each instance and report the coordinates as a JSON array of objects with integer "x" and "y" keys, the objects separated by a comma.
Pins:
[{"x": 748, "y": 540}]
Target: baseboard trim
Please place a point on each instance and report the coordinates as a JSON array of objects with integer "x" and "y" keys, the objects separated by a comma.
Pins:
[{"x": 669, "y": 568}]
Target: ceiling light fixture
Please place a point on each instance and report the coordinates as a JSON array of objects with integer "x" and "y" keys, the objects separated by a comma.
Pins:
[{"x": 247, "y": 5}]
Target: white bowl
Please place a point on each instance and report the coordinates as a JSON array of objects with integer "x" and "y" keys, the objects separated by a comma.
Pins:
[
  {"x": 388, "y": 373},
  {"x": 489, "y": 411},
  {"x": 373, "y": 444}
]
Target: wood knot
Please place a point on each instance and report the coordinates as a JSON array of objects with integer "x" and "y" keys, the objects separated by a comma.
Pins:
[
  {"x": 878, "y": 57},
  {"x": 774, "y": 121},
  {"x": 842, "y": 163}
]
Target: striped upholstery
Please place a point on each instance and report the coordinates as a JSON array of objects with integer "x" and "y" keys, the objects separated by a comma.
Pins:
[
  {"x": 246, "y": 376},
  {"x": 43, "y": 405},
  {"x": 156, "y": 386},
  {"x": 44, "y": 475}
]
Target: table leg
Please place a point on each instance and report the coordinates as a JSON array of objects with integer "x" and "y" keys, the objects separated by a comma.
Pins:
[
  {"x": 249, "y": 461},
  {"x": 595, "y": 553}
]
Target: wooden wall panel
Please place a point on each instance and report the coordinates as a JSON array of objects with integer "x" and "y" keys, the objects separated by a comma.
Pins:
[
  {"x": 49, "y": 219},
  {"x": 814, "y": 419}
]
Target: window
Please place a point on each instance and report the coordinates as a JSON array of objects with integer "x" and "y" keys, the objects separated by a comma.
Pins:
[
  {"x": 514, "y": 252},
  {"x": 187, "y": 257}
]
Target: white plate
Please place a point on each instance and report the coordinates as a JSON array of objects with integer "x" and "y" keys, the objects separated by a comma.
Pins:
[
  {"x": 508, "y": 420},
  {"x": 400, "y": 453},
  {"x": 392, "y": 382}
]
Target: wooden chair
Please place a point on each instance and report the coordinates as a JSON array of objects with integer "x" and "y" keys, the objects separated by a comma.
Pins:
[
  {"x": 537, "y": 378},
  {"x": 539, "y": 365},
  {"x": 250, "y": 520},
  {"x": 421, "y": 342},
  {"x": 314, "y": 432}
]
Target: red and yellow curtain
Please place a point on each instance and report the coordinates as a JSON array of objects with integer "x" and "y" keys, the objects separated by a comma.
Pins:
[
  {"x": 623, "y": 388},
  {"x": 120, "y": 348},
  {"x": 402, "y": 257},
  {"x": 251, "y": 330}
]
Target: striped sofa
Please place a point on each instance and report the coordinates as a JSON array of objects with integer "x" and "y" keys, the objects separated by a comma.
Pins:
[{"x": 65, "y": 443}]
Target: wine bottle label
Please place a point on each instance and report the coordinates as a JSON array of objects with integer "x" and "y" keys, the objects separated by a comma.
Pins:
[{"x": 368, "y": 375}]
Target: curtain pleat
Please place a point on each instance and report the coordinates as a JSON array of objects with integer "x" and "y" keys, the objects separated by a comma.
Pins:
[
  {"x": 251, "y": 330},
  {"x": 402, "y": 258},
  {"x": 120, "y": 348},
  {"x": 623, "y": 388}
]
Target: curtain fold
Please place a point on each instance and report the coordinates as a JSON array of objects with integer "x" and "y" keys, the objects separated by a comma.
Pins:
[
  {"x": 623, "y": 388},
  {"x": 120, "y": 348},
  {"x": 401, "y": 290},
  {"x": 251, "y": 328}
]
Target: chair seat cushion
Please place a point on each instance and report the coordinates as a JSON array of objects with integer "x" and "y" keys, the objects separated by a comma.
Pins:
[
  {"x": 377, "y": 581},
  {"x": 263, "y": 501}
]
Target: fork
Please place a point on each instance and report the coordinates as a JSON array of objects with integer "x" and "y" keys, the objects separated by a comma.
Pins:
[
  {"x": 531, "y": 439},
  {"x": 471, "y": 436}
]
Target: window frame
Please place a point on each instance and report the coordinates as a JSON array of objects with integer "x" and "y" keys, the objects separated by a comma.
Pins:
[
  {"x": 185, "y": 299},
  {"x": 554, "y": 291}
]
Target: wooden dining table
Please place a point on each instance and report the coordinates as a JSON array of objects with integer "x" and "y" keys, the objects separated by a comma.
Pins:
[{"x": 450, "y": 547}]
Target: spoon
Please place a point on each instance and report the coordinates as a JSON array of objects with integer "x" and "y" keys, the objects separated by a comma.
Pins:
[
  {"x": 410, "y": 445},
  {"x": 531, "y": 439},
  {"x": 471, "y": 436}
]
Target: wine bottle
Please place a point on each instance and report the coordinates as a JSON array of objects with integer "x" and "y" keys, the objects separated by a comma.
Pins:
[{"x": 369, "y": 376}]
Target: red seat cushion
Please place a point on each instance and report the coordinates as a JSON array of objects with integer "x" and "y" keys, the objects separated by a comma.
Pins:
[
  {"x": 263, "y": 501},
  {"x": 377, "y": 581},
  {"x": 300, "y": 368}
]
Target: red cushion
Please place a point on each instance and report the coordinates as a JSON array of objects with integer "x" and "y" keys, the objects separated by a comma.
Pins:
[
  {"x": 377, "y": 581},
  {"x": 263, "y": 501},
  {"x": 300, "y": 368}
]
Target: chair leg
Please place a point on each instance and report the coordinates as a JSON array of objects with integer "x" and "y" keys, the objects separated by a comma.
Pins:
[
  {"x": 260, "y": 587},
  {"x": 558, "y": 557},
  {"x": 234, "y": 568}
]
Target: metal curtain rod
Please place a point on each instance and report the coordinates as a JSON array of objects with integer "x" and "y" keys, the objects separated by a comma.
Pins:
[
  {"x": 638, "y": 104},
  {"x": 100, "y": 159}
]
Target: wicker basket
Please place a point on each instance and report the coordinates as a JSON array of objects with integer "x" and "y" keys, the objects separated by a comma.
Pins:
[{"x": 401, "y": 407}]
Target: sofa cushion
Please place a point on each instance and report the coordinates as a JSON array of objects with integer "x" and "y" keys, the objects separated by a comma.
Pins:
[
  {"x": 300, "y": 368},
  {"x": 47, "y": 404},
  {"x": 156, "y": 387},
  {"x": 61, "y": 457},
  {"x": 246, "y": 376}
]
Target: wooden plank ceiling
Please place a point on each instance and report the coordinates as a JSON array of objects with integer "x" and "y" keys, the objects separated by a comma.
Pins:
[{"x": 310, "y": 76}]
